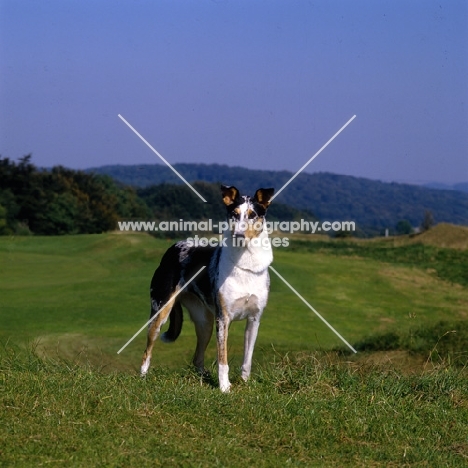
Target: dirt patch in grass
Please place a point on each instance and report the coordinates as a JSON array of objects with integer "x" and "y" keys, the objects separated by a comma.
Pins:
[{"x": 80, "y": 349}]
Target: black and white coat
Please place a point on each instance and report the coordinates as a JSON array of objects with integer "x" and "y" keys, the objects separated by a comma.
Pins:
[{"x": 233, "y": 286}]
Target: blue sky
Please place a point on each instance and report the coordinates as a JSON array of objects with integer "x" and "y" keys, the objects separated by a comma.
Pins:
[{"x": 260, "y": 84}]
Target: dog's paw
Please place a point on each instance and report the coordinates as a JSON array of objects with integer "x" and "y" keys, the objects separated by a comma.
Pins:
[
  {"x": 204, "y": 374},
  {"x": 144, "y": 367},
  {"x": 143, "y": 372},
  {"x": 225, "y": 387},
  {"x": 245, "y": 371},
  {"x": 223, "y": 374}
]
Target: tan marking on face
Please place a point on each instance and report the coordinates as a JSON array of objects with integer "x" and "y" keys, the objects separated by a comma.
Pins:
[{"x": 254, "y": 229}]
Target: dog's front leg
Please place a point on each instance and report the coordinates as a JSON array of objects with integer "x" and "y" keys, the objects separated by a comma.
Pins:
[
  {"x": 250, "y": 336},
  {"x": 222, "y": 327}
]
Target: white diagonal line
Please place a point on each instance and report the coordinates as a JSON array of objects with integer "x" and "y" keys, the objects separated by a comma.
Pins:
[
  {"x": 313, "y": 310},
  {"x": 160, "y": 156},
  {"x": 312, "y": 158},
  {"x": 160, "y": 310}
]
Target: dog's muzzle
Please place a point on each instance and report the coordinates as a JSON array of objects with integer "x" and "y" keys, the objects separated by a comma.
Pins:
[{"x": 239, "y": 229}]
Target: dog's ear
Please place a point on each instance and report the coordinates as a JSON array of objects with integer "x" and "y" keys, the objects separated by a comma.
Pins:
[
  {"x": 230, "y": 194},
  {"x": 263, "y": 196}
]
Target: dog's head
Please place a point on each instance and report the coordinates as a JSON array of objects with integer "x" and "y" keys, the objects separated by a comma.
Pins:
[{"x": 246, "y": 214}]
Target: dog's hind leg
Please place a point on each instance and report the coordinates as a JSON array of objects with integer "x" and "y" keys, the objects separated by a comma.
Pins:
[
  {"x": 154, "y": 328},
  {"x": 204, "y": 329},
  {"x": 250, "y": 336},
  {"x": 164, "y": 286}
]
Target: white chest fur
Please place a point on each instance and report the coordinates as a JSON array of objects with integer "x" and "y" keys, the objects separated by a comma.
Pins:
[{"x": 243, "y": 279}]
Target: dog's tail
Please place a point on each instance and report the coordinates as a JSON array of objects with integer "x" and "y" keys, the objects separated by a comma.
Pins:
[{"x": 176, "y": 319}]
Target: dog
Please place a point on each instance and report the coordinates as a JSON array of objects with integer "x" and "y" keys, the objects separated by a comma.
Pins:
[{"x": 234, "y": 284}]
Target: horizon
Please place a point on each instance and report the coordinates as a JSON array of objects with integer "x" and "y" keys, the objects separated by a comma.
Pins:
[
  {"x": 422, "y": 183},
  {"x": 416, "y": 183},
  {"x": 246, "y": 83}
]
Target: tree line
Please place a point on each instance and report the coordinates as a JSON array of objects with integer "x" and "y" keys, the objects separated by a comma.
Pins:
[
  {"x": 61, "y": 200},
  {"x": 374, "y": 205},
  {"x": 65, "y": 201}
]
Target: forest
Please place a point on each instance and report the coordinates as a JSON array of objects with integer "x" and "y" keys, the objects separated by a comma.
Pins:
[
  {"x": 61, "y": 201},
  {"x": 65, "y": 201},
  {"x": 374, "y": 205}
]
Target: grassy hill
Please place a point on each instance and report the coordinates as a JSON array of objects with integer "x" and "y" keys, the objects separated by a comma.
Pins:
[
  {"x": 77, "y": 299},
  {"x": 444, "y": 235},
  {"x": 373, "y": 205},
  {"x": 63, "y": 290}
]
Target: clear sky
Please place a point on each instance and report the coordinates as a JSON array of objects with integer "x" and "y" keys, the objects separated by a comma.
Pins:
[{"x": 260, "y": 84}]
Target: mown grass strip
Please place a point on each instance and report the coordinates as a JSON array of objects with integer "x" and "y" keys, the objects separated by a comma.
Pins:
[{"x": 450, "y": 264}]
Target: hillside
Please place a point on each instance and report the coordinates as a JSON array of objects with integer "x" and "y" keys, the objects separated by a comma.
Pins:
[
  {"x": 169, "y": 201},
  {"x": 401, "y": 401},
  {"x": 373, "y": 205},
  {"x": 66, "y": 201},
  {"x": 445, "y": 236},
  {"x": 461, "y": 186}
]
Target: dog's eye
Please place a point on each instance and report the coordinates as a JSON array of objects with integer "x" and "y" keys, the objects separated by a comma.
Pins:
[{"x": 251, "y": 214}]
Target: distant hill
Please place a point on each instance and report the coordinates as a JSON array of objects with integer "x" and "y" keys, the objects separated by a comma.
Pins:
[
  {"x": 462, "y": 186},
  {"x": 373, "y": 205},
  {"x": 175, "y": 201}
]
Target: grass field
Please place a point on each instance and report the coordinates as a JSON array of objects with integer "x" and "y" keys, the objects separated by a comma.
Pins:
[{"x": 76, "y": 300}]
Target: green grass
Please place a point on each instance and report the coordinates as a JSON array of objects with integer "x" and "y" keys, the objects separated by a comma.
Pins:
[
  {"x": 448, "y": 264},
  {"x": 89, "y": 294},
  {"x": 300, "y": 410},
  {"x": 446, "y": 341},
  {"x": 77, "y": 299}
]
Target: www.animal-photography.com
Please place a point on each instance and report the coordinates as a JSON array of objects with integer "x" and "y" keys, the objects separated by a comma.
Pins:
[{"x": 233, "y": 233}]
